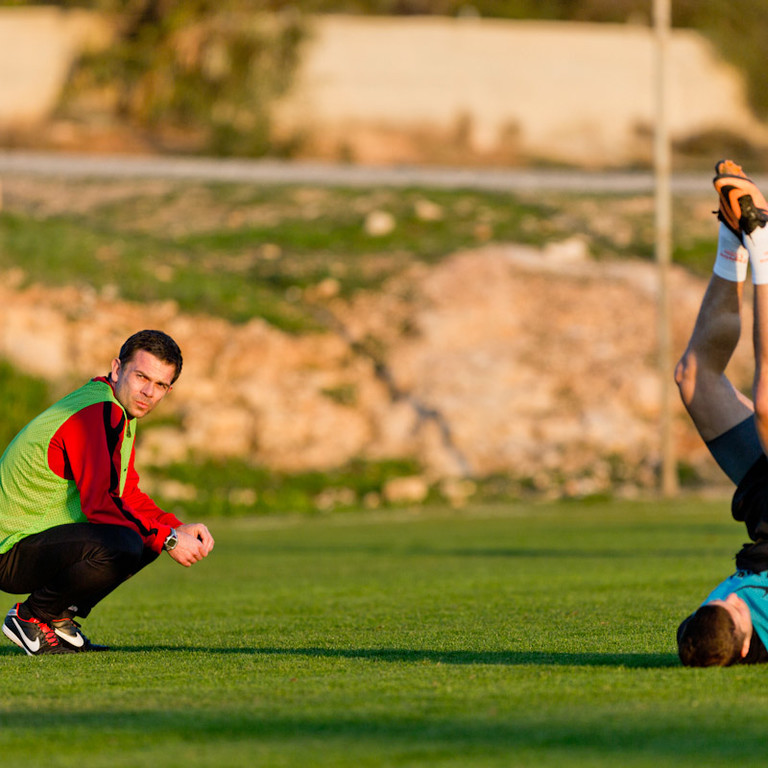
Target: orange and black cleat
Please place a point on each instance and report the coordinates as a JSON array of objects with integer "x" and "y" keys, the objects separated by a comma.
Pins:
[{"x": 742, "y": 206}]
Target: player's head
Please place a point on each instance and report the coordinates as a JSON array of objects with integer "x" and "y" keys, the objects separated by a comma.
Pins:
[
  {"x": 711, "y": 637},
  {"x": 157, "y": 343}
]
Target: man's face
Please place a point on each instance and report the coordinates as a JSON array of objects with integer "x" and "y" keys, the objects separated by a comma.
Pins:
[
  {"x": 742, "y": 618},
  {"x": 142, "y": 382}
]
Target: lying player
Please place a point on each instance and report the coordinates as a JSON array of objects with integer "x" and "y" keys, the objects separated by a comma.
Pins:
[{"x": 731, "y": 626}]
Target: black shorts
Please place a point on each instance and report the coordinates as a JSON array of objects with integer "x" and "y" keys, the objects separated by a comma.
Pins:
[
  {"x": 750, "y": 501},
  {"x": 750, "y": 506}
]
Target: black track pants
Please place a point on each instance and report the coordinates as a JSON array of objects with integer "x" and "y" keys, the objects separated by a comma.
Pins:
[{"x": 69, "y": 568}]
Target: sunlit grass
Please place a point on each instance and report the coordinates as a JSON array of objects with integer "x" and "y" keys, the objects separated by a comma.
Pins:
[{"x": 518, "y": 635}]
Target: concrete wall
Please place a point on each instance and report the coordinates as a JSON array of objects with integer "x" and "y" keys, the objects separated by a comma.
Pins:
[{"x": 395, "y": 90}]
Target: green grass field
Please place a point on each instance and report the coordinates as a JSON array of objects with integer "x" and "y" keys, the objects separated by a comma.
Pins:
[{"x": 518, "y": 635}]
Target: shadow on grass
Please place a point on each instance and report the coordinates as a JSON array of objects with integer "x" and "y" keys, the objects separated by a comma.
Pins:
[
  {"x": 592, "y": 736},
  {"x": 416, "y": 656}
]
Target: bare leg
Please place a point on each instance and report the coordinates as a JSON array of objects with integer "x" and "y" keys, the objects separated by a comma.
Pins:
[
  {"x": 761, "y": 363},
  {"x": 713, "y": 403}
]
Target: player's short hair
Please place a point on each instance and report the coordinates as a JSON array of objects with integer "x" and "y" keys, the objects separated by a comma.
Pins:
[
  {"x": 709, "y": 638},
  {"x": 157, "y": 343}
]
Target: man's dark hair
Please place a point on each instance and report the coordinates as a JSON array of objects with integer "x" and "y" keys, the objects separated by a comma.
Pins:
[
  {"x": 709, "y": 638},
  {"x": 157, "y": 343}
]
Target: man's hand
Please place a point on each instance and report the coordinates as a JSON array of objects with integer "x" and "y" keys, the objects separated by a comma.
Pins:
[{"x": 195, "y": 543}]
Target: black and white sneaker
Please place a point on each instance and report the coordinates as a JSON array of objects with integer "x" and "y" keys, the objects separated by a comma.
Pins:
[
  {"x": 33, "y": 636},
  {"x": 68, "y": 631}
]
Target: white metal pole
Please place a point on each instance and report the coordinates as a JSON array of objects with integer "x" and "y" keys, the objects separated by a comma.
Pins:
[{"x": 662, "y": 165}]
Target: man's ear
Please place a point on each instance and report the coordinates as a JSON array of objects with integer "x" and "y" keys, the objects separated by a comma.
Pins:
[
  {"x": 115, "y": 370},
  {"x": 745, "y": 647}
]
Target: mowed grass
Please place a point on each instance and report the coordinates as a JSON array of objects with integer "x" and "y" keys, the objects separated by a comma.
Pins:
[{"x": 519, "y": 635}]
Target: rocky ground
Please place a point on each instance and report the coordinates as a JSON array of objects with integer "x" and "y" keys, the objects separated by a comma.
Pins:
[{"x": 538, "y": 364}]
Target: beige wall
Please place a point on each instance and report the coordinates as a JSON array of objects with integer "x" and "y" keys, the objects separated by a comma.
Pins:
[
  {"x": 388, "y": 89},
  {"x": 566, "y": 91},
  {"x": 37, "y": 48}
]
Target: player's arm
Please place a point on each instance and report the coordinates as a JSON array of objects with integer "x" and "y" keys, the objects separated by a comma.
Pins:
[{"x": 194, "y": 540}]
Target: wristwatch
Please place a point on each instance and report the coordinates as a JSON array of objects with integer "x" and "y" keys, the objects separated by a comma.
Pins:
[{"x": 172, "y": 540}]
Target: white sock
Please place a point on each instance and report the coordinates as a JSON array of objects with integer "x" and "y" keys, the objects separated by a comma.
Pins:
[
  {"x": 732, "y": 258},
  {"x": 757, "y": 245}
]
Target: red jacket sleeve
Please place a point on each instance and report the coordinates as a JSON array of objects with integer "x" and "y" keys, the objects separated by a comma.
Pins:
[
  {"x": 136, "y": 499},
  {"x": 86, "y": 450}
]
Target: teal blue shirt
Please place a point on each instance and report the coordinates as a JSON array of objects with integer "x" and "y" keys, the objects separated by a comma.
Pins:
[{"x": 752, "y": 588}]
